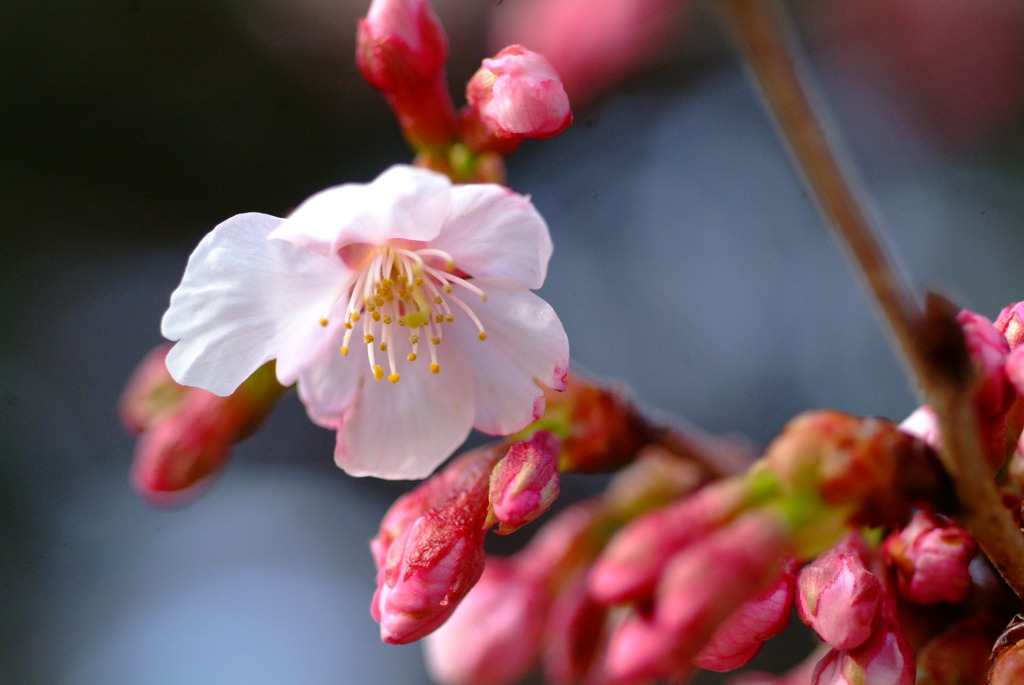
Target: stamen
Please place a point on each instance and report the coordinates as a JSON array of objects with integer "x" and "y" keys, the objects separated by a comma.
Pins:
[
  {"x": 435, "y": 368},
  {"x": 378, "y": 372},
  {"x": 324, "y": 322}
]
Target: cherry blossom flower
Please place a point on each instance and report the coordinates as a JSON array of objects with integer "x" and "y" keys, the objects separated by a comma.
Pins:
[{"x": 432, "y": 280}]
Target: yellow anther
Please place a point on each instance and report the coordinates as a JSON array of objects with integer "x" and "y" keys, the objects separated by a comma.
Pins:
[
  {"x": 367, "y": 339},
  {"x": 449, "y": 318},
  {"x": 387, "y": 319},
  {"x": 437, "y": 300},
  {"x": 394, "y": 377},
  {"x": 439, "y": 318},
  {"x": 383, "y": 347},
  {"x": 435, "y": 368},
  {"x": 375, "y": 316},
  {"x": 411, "y": 357},
  {"x": 414, "y": 339},
  {"x": 348, "y": 325},
  {"x": 435, "y": 340},
  {"x": 401, "y": 321},
  {"x": 448, "y": 287},
  {"x": 483, "y": 296},
  {"x": 481, "y": 335},
  {"x": 417, "y": 281},
  {"x": 355, "y": 316},
  {"x": 323, "y": 322},
  {"x": 344, "y": 351},
  {"x": 378, "y": 371}
]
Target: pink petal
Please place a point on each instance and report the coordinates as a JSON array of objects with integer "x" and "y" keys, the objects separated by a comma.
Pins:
[
  {"x": 525, "y": 346},
  {"x": 406, "y": 429},
  {"x": 403, "y": 203},
  {"x": 494, "y": 233},
  {"x": 246, "y": 299}
]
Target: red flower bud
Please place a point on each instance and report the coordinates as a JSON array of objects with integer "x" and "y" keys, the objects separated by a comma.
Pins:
[
  {"x": 525, "y": 482},
  {"x": 931, "y": 557}
]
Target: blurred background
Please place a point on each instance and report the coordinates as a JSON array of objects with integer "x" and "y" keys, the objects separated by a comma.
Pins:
[{"x": 689, "y": 263}]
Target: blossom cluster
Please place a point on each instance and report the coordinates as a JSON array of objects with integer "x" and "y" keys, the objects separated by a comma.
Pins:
[{"x": 402, "y": 311}]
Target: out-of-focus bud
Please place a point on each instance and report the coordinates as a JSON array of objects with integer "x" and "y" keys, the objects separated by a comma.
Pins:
[
  {"x": 493, "y": 638},
  {"x": 525, "y": 482},
  {"x": 838, "y": 597},
  {"x": 599, "y": 427},
  {"x": 633, "y": 561},
  {"x": 931, "y": 557},
  {"x": 690, "y": 603},
  {"x": 574, "y": 634},
  {"x": 1007, "y": 665},
  {"x": 401, "y": 50},
  {"x": 864, "y": 470},
  {"x": 885, "y": 659},
  {"x": 151, "y": 395},
  {"x": 513, "y": 96},
  {"x": 960, "y": 654},
  {"x": 187, "y": 433},
  {"x": 429, "y": 549},
  {"x": 988, "y": 349},
  {"x": 1010, "y": 323},
  {"x": 740, "y": 637},
  {"x": 592, "y": 46}
]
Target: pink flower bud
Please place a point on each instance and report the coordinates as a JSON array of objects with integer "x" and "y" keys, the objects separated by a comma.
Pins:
[
  {"x": 740, "y": 637},
  {"x": 692, "y": 602},
  {"x": 631, "y": 564},
  {"x": 187, "y": 433},
  {"x": 838, "y": 597},
  {"x": 151, "y": 395},
  {"x": 494, "y": 637},
  {"x": 885, "y": 659},
  {"x": 931, "y": 557},
  {"x": 574, "y": 634},
  {"x": 525, "y": 482},
  {"x": 174, "y": 458},
  {"x": 1007, "y": 667},
  {"x": 399, "y": 42},
  {"x": 401, "y": 50},
  {"x": 960, "y": 653},
  {"x": 517, "y": 94},
  {"x": 988, "y": 348},
  {"x": 1010, "y": 323},
  {"x": 429, "y": 549}
]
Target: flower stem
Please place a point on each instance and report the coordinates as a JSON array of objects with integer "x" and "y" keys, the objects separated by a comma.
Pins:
[{"x": 929, "y": 338}]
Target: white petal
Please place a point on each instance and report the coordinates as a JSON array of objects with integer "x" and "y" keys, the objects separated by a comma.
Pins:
[
  {"x": 525, "y": 345},
  {"x": 329, "y": 388},
  {"x": 406, "y": 429},
  {"x": 493, "y": 232},
  {"x": 402, "y": 203},
  {"x": 246, "y": 299}
]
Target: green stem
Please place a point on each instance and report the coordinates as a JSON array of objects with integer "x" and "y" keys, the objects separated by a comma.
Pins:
[{"x": 930, "y": 340}]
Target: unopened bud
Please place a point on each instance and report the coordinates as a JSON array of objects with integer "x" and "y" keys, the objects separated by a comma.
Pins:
[
  {"x": 1010, "y": 323},
  {"x": 740, "y": 637},
  {"x": 525, "y": 482},
  {"x": 187, "y": 433},
  {"x": 838, "y": 597},
  {"x": 429, "y": 549},
  {"x": 885, "y": 659},
  {"x": 931, "y": 557},
  {"x": 151, "y": 395},
  {"x": 493, "y": 638},
  {"x": 1007, "y": 666},
  {"x": 959, "y": 654},
  {"x": 401, "y": 50},
  {"x": 513, "y": 96},
  {"x": 633, "y": 561}
]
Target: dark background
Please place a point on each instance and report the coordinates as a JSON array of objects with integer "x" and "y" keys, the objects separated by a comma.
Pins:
[{"x": 689, "y": 262}]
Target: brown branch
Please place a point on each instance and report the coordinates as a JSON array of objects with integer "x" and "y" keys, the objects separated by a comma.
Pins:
[{"x": 930, "y": 341}]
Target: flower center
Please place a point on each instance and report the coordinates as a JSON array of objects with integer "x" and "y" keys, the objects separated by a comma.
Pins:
[{"x": 403, "y": 294}]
